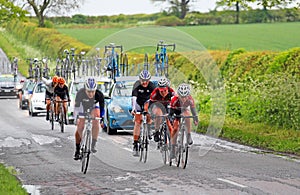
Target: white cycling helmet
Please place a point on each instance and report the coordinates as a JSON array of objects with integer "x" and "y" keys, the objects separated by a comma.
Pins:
[
  {"x": 184, "y": 90},
  {"x": 163, "y": 82},
  {"x": 145, "y": 75},
  {"x": 90, "y": 84}
]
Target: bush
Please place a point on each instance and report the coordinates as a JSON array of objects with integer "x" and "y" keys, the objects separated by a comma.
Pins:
[{"x": 169, "y": 21}]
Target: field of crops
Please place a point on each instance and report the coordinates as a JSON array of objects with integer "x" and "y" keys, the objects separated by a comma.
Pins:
[{"x": 252, "y": 37}]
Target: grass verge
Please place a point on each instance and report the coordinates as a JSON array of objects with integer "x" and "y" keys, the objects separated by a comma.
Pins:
[
  {"x": 9, "y": 184},
  {"x": 258, "y": 135}
]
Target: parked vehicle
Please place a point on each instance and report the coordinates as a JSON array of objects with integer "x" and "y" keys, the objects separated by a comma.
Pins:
[
  {"x": 74, "y": 87},
  {"x": 36, "y": 101},
  {"x": 9, "y": 85},
  {"x": 118, "y": 105},
  {"x": 24, "y": 93}
]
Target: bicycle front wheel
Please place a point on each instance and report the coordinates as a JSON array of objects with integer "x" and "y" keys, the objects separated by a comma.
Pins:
[
  {"x": 183, "y": 151},
  {"x": 165, "y": 145},
  {"x": 144, "y": 144},
  {"x": 52, "y": 119},
  {"x": 62, "y": 116},
  {"x": 85, "y": 153}
]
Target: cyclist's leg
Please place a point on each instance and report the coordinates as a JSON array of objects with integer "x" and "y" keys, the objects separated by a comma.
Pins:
[
  {"x": 65, "y": 107},
  {"x": 157, "y": 112},
  {"x": 95, "y": 128},
  {"x": 188, "y": 126},
  {"x": 57, "y": 98},
  {"x": 47, "y": 105}
]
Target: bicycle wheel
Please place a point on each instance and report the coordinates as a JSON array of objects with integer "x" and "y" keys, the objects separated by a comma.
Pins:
[
  {"x": 62, "y": 117},
  {"x": 85, "y": 152},
  {"x": 144, "y": 144},
  {"x": 51, "y": 118},
  {"x": 165, "y": 146},
  {"x": 182, "y": 150}
]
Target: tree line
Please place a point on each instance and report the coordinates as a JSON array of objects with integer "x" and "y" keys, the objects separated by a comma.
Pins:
[{"x": 178, "y": 8}]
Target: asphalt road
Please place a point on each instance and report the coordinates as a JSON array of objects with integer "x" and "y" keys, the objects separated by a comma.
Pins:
[{"x": 45, "y": 165}]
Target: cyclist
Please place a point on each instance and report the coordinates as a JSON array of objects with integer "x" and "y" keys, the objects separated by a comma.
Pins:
[
  {"x": 88, "y": 98},
  {"x": 140, "y": 94},
  {"x": 180, "y": 105},
  {"x": 161, "y": 98},
  {"x": 50, "y": 85},
  {"x": 61, "y": 93}
]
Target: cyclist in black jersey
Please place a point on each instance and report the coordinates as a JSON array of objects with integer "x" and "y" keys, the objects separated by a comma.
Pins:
[
  {"x": 88, "y": 99},
  {"x": 61, "y": 93},
  {"x": 140, "y": 94}
]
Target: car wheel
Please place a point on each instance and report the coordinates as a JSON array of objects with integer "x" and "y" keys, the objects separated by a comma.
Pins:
[{"x": 109, "y": 130}]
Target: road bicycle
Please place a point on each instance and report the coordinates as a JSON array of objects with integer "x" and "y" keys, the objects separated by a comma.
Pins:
[
  {"x": 146, "y": 62},
  {"x": 113, "y": 59},
  {"x": 144, "y": 138},
  {"x": 162, "y": 59},
  {"x": 182, "y": 149},
  {"x": 46, "y": 69},
  {"x": 73, "y": 63},
  {"x": 62, "y": 114},
  {"x": 86, "y": 141}
]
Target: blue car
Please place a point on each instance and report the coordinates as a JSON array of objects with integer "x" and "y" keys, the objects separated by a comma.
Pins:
[{"x": 118, "y": 105}]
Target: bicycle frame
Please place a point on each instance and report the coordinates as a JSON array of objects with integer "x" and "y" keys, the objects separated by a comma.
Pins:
[
  {"x": 164, "y": 139},
  {"x": 161, "y": 59}
]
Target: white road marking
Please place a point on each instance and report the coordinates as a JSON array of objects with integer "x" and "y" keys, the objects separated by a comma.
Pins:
[{"x": 232, "y": 182}]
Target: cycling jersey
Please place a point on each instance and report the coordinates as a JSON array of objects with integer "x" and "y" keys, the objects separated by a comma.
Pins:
[
  {"x": 49, "y": 86},
  {"x": 177, "y": 106},
  {"x": 141, "y": 93},
  {"x": 62, "y": 92},
  {"x": 83, "y": 102},
  {"x": 156, "y": 97}
]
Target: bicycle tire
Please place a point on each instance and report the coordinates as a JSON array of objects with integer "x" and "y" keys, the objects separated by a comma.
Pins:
[
  {"x": 164, "y": 149},
  {"x": 52, "y": 119},
  {"x": 182, "y": 150},
  {"x": 85, "y": 155},
  {"x": 144, "y": 144},
  {"x": 62, "y": 119}
]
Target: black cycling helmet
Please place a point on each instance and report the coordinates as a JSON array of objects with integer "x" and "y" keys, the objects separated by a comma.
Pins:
[
  {"x": 184, "y": 90},
  {"x": 163, "y": 82},
  {"x": 90, "y": 84},
  {"x": 145, "y": 75}
]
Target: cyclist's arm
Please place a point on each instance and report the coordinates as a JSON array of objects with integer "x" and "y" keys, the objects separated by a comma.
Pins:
[
  {"x": 67, "y": 93},
  {"x": 133, "y": 102}
]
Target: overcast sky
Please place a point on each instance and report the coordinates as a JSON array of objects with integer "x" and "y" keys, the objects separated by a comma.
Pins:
[{"x": 115, "y": 7}]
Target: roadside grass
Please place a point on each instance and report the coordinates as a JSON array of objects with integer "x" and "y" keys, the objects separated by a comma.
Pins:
[
  {"x": 257, "y": 135},
  {"x": 252, "y": 37},
  {"x": 9, "y": 184}
]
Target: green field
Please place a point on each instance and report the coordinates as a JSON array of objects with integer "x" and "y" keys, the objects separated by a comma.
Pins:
[{"x": 252, "y": 37}]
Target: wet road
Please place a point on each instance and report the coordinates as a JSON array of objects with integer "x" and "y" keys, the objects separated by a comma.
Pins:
[{"x": 43, "y": 159}]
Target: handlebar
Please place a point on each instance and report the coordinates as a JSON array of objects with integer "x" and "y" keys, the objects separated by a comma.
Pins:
[
  {"x": 112, "y": 46},
  {"x": 163, "y": 45}
]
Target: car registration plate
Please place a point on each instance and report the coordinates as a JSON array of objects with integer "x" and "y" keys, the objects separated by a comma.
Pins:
[{"x": 6, "y": 90}]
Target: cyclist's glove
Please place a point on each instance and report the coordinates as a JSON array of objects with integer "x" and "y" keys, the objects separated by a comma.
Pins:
[
  {"x": 196, "y": 119},
  {"x": 101, "y": 121}
]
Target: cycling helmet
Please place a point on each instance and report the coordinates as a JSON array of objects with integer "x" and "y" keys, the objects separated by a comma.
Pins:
[
  {"x": 145, "y": 75},
  {"x": 61, "y": 80},
  {"x": 55, "y": 79},
  {"x": 163, "y": 82},
  {"x": 90, "y": 84},
  {"x": 184, "y": 90}
]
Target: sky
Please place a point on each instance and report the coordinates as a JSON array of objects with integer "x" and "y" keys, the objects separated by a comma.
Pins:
[{"x": 115, "y": 7}]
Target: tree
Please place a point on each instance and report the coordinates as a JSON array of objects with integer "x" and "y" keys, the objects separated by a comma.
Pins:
[
  {"x": 237, "y": 4},
  {"x": 9, "y": 11},
  {"x": 178, "y": 7},
  {"x": 43, "y": 7}
]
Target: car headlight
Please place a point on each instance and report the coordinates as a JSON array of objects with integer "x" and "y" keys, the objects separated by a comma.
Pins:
[{"x": 116, "y": 108}]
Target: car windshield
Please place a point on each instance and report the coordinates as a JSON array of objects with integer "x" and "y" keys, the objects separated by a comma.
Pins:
[
  {"x": 76, "y": 87},
  {"x": 7, "y": 79},
  {"x": 123, "y": 89},
  {"x": 40, "y": 88},
  {"x": 104, "y": 87}
]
